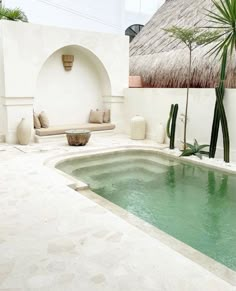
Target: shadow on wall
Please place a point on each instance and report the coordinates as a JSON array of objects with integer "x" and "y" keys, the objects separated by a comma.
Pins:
[{"x": 68, "y": 96}]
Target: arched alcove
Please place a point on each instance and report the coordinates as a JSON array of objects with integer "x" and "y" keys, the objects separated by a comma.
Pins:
[{"x": 68, "y": 96}]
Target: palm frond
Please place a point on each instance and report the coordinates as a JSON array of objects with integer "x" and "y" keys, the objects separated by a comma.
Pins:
[{"x": 224, "y": 18}]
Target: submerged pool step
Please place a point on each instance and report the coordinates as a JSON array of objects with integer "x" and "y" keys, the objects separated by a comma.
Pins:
[
  {"x": 121, "y": 166},
  {"x": 80, "y": 163},
  {"x": 120, "y": 177},
  {"x": 106, "y": 178},
  {"x": 84, "y": 163}
]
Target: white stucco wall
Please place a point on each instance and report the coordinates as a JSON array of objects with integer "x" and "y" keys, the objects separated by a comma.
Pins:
[
  {"x": 31, "y": 58},
  {"x": 27, "y": 46},
  {"x": 2, "y": 88},
  {"x": 154, "y": 106},
  {"x": 67, "y": 97}
]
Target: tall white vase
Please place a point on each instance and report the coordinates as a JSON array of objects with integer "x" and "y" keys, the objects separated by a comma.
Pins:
[
  {"x": 161, "y": 133},
  {"x": 138, "y": 127},
  {"x": 23, "y": 132}
]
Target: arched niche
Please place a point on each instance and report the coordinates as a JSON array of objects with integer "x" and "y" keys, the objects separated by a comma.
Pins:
[{"x": 68, "y": 96}]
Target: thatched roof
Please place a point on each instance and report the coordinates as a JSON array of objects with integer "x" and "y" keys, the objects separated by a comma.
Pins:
[{"x": 162, "y": 61}]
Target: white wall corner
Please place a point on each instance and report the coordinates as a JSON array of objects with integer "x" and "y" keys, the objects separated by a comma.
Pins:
[{"x": 116, "y": 105}]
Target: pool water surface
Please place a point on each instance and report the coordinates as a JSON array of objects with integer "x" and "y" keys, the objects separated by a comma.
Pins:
[{"x": 193, "y": 204}]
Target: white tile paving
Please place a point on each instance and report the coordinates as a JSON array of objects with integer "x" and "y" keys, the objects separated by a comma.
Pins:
[{"x": 53, "y": 238}]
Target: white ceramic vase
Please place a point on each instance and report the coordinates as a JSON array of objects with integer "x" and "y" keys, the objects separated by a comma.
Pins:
[
  {"x": 161, "y": 133},
  {"x": 23, "y": 132},
  {"x": 138, "y": 127}
]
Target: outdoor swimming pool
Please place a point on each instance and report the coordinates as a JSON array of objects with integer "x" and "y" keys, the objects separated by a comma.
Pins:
[{"x": 194, "y": 204}]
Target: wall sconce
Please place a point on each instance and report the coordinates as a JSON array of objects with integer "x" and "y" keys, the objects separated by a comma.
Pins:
[{"x": 68, "y": 62}]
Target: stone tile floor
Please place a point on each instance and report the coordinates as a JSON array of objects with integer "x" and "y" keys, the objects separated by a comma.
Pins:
[{"x": 54, "y": 239}]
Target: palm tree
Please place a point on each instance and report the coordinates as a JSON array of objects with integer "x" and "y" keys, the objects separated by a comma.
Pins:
[
  {"x": 223, "y": 19},
  {"x": 15, "y": 14}
]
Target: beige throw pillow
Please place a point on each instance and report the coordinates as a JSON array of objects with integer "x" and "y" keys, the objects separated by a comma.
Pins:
[
  {"x": 44, "y": 120},
  {"x": 37, "y": 123},
  {"x": 96, "y": 116},
  {"x": 107, "y": 116}
]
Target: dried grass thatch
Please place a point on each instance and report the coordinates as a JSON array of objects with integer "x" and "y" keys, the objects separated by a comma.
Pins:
[{"x": 162, "y": 61}]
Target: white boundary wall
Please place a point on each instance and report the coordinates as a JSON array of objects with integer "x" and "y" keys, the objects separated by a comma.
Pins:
[
  {"x": 154, "y": 106},
  {"x": 32, "y": 74}
]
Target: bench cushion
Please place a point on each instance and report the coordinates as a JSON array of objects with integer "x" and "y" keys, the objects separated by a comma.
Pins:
[{"x": 54, "y": 130}]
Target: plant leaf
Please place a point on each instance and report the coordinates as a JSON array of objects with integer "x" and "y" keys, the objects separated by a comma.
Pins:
[
  {"x": 186, "y": 153},
  {"x": 192, "y": 147},
  {"x": 195, "y": 143},
  {"x": 198, "y": 155},
  {"x": 202, "y": 146},
  {"x": 204, "y": 153}
]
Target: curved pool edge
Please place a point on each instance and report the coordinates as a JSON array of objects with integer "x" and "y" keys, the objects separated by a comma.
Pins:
[
  {"x": 197, "y": 257},
  {"x": 207, "y": 163}
]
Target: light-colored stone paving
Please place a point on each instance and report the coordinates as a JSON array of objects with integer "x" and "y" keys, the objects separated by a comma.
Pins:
[{"x": 53, "y": 238}]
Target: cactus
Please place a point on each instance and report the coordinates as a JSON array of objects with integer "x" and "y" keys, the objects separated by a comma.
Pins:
[
  {"x": 216, "y": 119},
  {"x": 169, "y": 120},
  {"x": 224, "y": 124},
  {"x": 173, "y": 126},
  {"x": 214, "y": 132},
  {"x": 220, "y": 115}
]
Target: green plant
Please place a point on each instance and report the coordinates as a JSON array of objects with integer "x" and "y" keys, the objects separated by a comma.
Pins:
[
  {"x": 192, "y": 38},
  {"x": 224, "y": 123},
  {"x": 194, "y": 150},
  {"x": 171, "y": 124},
  {"x": 15, "y": 14},
  {"x": 169, "y": 120},
  {"x": 223, "y": 19},
  {"x": 220, "y": 115}
]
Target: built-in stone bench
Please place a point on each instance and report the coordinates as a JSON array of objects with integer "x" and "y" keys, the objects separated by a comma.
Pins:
[{"x": 57, "y": 132}]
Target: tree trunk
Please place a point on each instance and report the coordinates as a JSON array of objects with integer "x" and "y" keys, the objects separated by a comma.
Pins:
[{"x": 187, "y": 98}]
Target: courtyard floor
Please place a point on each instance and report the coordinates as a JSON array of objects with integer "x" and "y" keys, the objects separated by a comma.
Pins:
[{"x": 53, "y": 238}]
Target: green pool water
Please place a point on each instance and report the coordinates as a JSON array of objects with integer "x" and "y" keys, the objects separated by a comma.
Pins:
[{"x": 193, "y": 204}]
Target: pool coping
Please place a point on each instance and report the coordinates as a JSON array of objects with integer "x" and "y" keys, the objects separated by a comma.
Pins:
[{"x": 187, "y": 251}]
